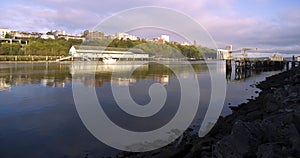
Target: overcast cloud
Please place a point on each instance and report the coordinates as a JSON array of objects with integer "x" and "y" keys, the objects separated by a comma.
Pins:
[{"x": 266, "y": 24}]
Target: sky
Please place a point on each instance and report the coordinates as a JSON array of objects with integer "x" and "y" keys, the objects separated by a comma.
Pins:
[{"x": 265, "y": 24}]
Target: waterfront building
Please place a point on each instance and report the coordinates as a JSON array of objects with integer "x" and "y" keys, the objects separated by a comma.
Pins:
[
  {"x": 96, "y": 53},
  {"x": 225, "y": 54}
]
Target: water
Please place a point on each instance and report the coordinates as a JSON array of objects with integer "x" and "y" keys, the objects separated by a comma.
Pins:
[{"x": 38, "y": 117}]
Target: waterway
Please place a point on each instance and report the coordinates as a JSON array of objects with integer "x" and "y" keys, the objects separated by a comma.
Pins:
[{"x": 38, "y": 115}]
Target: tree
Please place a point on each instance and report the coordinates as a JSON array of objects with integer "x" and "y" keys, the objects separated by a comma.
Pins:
[{"x": 8, "y": 35}]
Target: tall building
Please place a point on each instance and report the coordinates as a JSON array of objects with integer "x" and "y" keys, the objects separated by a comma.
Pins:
[
  {"x": 3, "y": 32},
  {"x": 92, "y": 35}
]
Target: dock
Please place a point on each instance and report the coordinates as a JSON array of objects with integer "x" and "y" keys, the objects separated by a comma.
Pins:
[{"x": 243, "y": 67}]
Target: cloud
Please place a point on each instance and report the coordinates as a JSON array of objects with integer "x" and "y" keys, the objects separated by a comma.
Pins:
[
  {"x": 42, "y": 19},
  {"x": 280, "y": 32},
  {"x": 259, "y": 23}
]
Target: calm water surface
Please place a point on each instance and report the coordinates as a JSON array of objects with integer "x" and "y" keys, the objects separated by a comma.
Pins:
[{"x": 38, "y": 117}]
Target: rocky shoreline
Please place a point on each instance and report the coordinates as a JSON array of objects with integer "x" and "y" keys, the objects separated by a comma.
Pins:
[{"x": 265, "y": 127}]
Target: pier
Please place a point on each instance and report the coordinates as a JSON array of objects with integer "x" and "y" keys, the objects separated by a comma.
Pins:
[
  {"x": 244, "y": 68},
  {"x": 244, "y": 63}
]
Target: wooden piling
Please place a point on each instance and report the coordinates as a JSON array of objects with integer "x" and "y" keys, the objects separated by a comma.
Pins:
[{"x": 228, "y": 65}]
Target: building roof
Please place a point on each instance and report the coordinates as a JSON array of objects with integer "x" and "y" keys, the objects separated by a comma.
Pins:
[{"x": 86, "y": 48}]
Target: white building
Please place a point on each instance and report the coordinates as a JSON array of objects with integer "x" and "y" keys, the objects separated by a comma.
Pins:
[
  {"x": 97, "y": 52},
  {"x": 165, "y": 38},
  {"x": 125, "y": 36},
  {"x": 3, "y": 32},
  {"x": 185, "y": 44},
  {"x": 58, "y": 32},
  {"x": 70, "y": 36},
  {"x": 17, "y": 34},
  {"x": 45, "y": 36},
  {"x": 224, "y": 54}
]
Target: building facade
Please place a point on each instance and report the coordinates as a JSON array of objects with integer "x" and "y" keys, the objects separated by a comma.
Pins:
[
  {"x": 45, "y": 36},
  {"x": 95, "y": 52},
  {"x": 18, "y": 35},
  {"x": 3, "y": 32},
  {"x": 93, "y": 35},
  {"x": 165, "y": 38},
  {"x": 125, "y": 36}
]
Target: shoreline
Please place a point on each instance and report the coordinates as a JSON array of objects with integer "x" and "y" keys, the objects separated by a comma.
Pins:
[{"x": 267, "y": 126}]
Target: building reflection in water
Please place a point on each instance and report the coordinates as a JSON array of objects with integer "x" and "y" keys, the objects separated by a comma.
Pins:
[
  {"x": 4, "y": 85},
  {"x": 52, "y": 83},
  {"x": 119, "y": 74},
  {"x": 59, "y": 74},
  {"x": 45, "y": 74}
]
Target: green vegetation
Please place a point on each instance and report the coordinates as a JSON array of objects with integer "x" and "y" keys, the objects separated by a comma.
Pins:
[
  {"x": 8, "y": 35},
  {"x": 156, "y": 49},
  {"x": 27, "y": 58},
  {"x": 60, "y": 47},
  {"x": 41, "y": 47}
]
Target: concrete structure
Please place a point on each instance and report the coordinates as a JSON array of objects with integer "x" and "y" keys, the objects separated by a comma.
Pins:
[
  {"x": 3, "y": 32},
  {"x": 125, "y": 36},
  {"x": 298, "y": 58},
  {"x": 93, "y": 35},
  {"x": 97, "y": 53},
  {"x": 224, "y": 54}
]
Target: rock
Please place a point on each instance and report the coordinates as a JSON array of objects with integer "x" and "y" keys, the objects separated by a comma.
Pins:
[
  {"x": 271, "y": 150},
  {"x": 242, "y": 142},
  {"x": 293, "y": 95},
  {"x": 286, "y": 110},
  {"x": 266, "y": 127},
  {"x": 234, "y": 108},
  {"x": 296, "y": 120}
]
